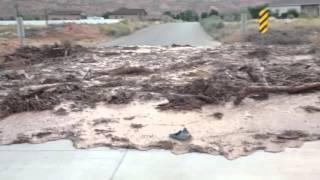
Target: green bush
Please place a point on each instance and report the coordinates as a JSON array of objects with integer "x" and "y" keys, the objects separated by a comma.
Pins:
[
  {"x": 106, "y": 15},
  {"x": 230, "y": 17},
  {"x": 212, "y": 23},
  {"x": 169, "y": 13},
  {"x": 292, "y": 13},
  {"x": 187, "y": 15},
  {"x": 204, "y": 15},
  {"x": 213, "y": 12},
  {"x": 254, "y": 11}
]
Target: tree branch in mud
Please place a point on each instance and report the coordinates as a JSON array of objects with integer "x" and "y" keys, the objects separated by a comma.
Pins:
[{"x": 275, "y": 89}]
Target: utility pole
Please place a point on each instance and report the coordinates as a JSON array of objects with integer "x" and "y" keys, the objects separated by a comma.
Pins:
[
  {"x": 20, "y": 26},
  {"x": 46, "y": 16},
  {"x": 244, "y": 22},
  {"x": 16, "y": 7},
  {"x": 244, "y": 18}
]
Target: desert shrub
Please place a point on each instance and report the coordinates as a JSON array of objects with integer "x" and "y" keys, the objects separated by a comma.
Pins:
[
  {"x": 231, "y": 16},
  {"x": 315, "y": 40},
  {"x": 116, "y": 30}
]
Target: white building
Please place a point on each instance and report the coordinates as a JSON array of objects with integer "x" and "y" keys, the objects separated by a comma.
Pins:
[{"x": 305, "y": 7}]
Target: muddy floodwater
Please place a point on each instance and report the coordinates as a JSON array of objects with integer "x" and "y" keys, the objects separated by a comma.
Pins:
[{"x": 135, "y": 97}]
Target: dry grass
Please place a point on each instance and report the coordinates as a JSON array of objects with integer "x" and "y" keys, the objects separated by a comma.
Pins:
[
  {"x": 7, "y": 31},
  {"x": 84, "y": 34},
  {"x": 123, "y": 28},
  {"x": 315, "y": 40},
  {"x": 284, "y": 32}
]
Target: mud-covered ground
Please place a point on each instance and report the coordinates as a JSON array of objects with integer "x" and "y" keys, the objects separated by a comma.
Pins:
[{"x": 134, "y": 97}]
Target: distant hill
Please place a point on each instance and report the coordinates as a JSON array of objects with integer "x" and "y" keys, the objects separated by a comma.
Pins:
[{"x": 98, "y": 7}]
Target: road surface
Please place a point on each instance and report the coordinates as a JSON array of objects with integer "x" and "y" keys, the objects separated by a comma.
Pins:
[
  {"x": 183, "y": 33},
  {"x": 59, "y": 160}
]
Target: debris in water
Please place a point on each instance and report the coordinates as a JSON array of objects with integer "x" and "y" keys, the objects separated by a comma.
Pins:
[
  {"x": 130, "y": 71},
  {"x": 61, "y": 112},
  {"x": 182, "y": 135},
  {"x": 136, "y": 126},
  {"x": 311, "y": 109},
  {"x": 218, "y": 115},
  {"x": 129, "y": 118}
]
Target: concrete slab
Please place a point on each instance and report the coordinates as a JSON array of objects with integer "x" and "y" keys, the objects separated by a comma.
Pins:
[
  {"x": 294, "y": 164},
  {"x": 57, "y": 160}
]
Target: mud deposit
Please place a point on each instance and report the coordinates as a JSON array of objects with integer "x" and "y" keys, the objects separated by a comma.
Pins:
[{"x": 134, "y": 97}]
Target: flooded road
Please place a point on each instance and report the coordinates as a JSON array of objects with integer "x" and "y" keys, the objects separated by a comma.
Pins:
[
  {"x": 135, "y": 97},
  {"x": 241, "y": 130}
]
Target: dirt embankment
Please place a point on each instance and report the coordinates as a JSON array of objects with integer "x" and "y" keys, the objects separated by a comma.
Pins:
[{"x": 148, "y": 88}]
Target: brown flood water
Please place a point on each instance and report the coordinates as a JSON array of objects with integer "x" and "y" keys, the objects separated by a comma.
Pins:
[{"x": 268, "y": 125}]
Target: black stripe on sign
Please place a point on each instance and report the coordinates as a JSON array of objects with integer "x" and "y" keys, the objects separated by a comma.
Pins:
[
  {"x": 264, "y": 13},
  {"x": 264, "y": 21},
  {"x": 264, "y": 28}
]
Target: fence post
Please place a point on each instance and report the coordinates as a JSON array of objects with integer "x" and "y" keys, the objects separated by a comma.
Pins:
[{"x": 20, "y": 30}]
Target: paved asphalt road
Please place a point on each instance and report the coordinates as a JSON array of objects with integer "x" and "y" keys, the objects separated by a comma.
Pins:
[
  {"x": 183, "y": 33},
  {"x": 60, "y": 161}
]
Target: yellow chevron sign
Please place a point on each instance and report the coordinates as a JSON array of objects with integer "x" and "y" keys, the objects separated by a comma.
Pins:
[{"x": 264, "y": 20}]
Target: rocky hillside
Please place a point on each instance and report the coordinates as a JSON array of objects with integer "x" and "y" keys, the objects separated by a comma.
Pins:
[{"x": 98, "y": 7}]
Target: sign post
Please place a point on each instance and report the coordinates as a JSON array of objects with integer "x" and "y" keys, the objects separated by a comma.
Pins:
[
  {"x": 263, "y": 24},
  {"x": 264, "y": 21}
]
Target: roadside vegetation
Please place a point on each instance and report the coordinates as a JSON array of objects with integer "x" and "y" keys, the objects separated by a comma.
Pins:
[
  {"x": 286, "y": 29},
  {"x": 190, "y": 15},
  {"x": 123, "y": 28},
  {"x": 82, "y": 34}
]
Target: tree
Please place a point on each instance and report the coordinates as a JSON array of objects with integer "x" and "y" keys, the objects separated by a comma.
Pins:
[
  {"x": 213, "y": 12},
  {"x": 275, "y": 14},
  {"x": 106, "y": 15},
  {"x": 204, "y": 15},
  {"x": 254, "y": 11},
  {"x": 292, "y": 13},
  {"x": 284, "y": 16},
  {"x": 188, "y": 15},
  {"x": 169, "y": 13}
]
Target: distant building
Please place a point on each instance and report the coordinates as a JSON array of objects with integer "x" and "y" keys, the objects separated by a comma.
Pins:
[
  {"x": 305, "y": 7},
  {"x": 129, "y": 14},
  {"x": 95, "y": 18},
  {"x": 65, "y": 15}
]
